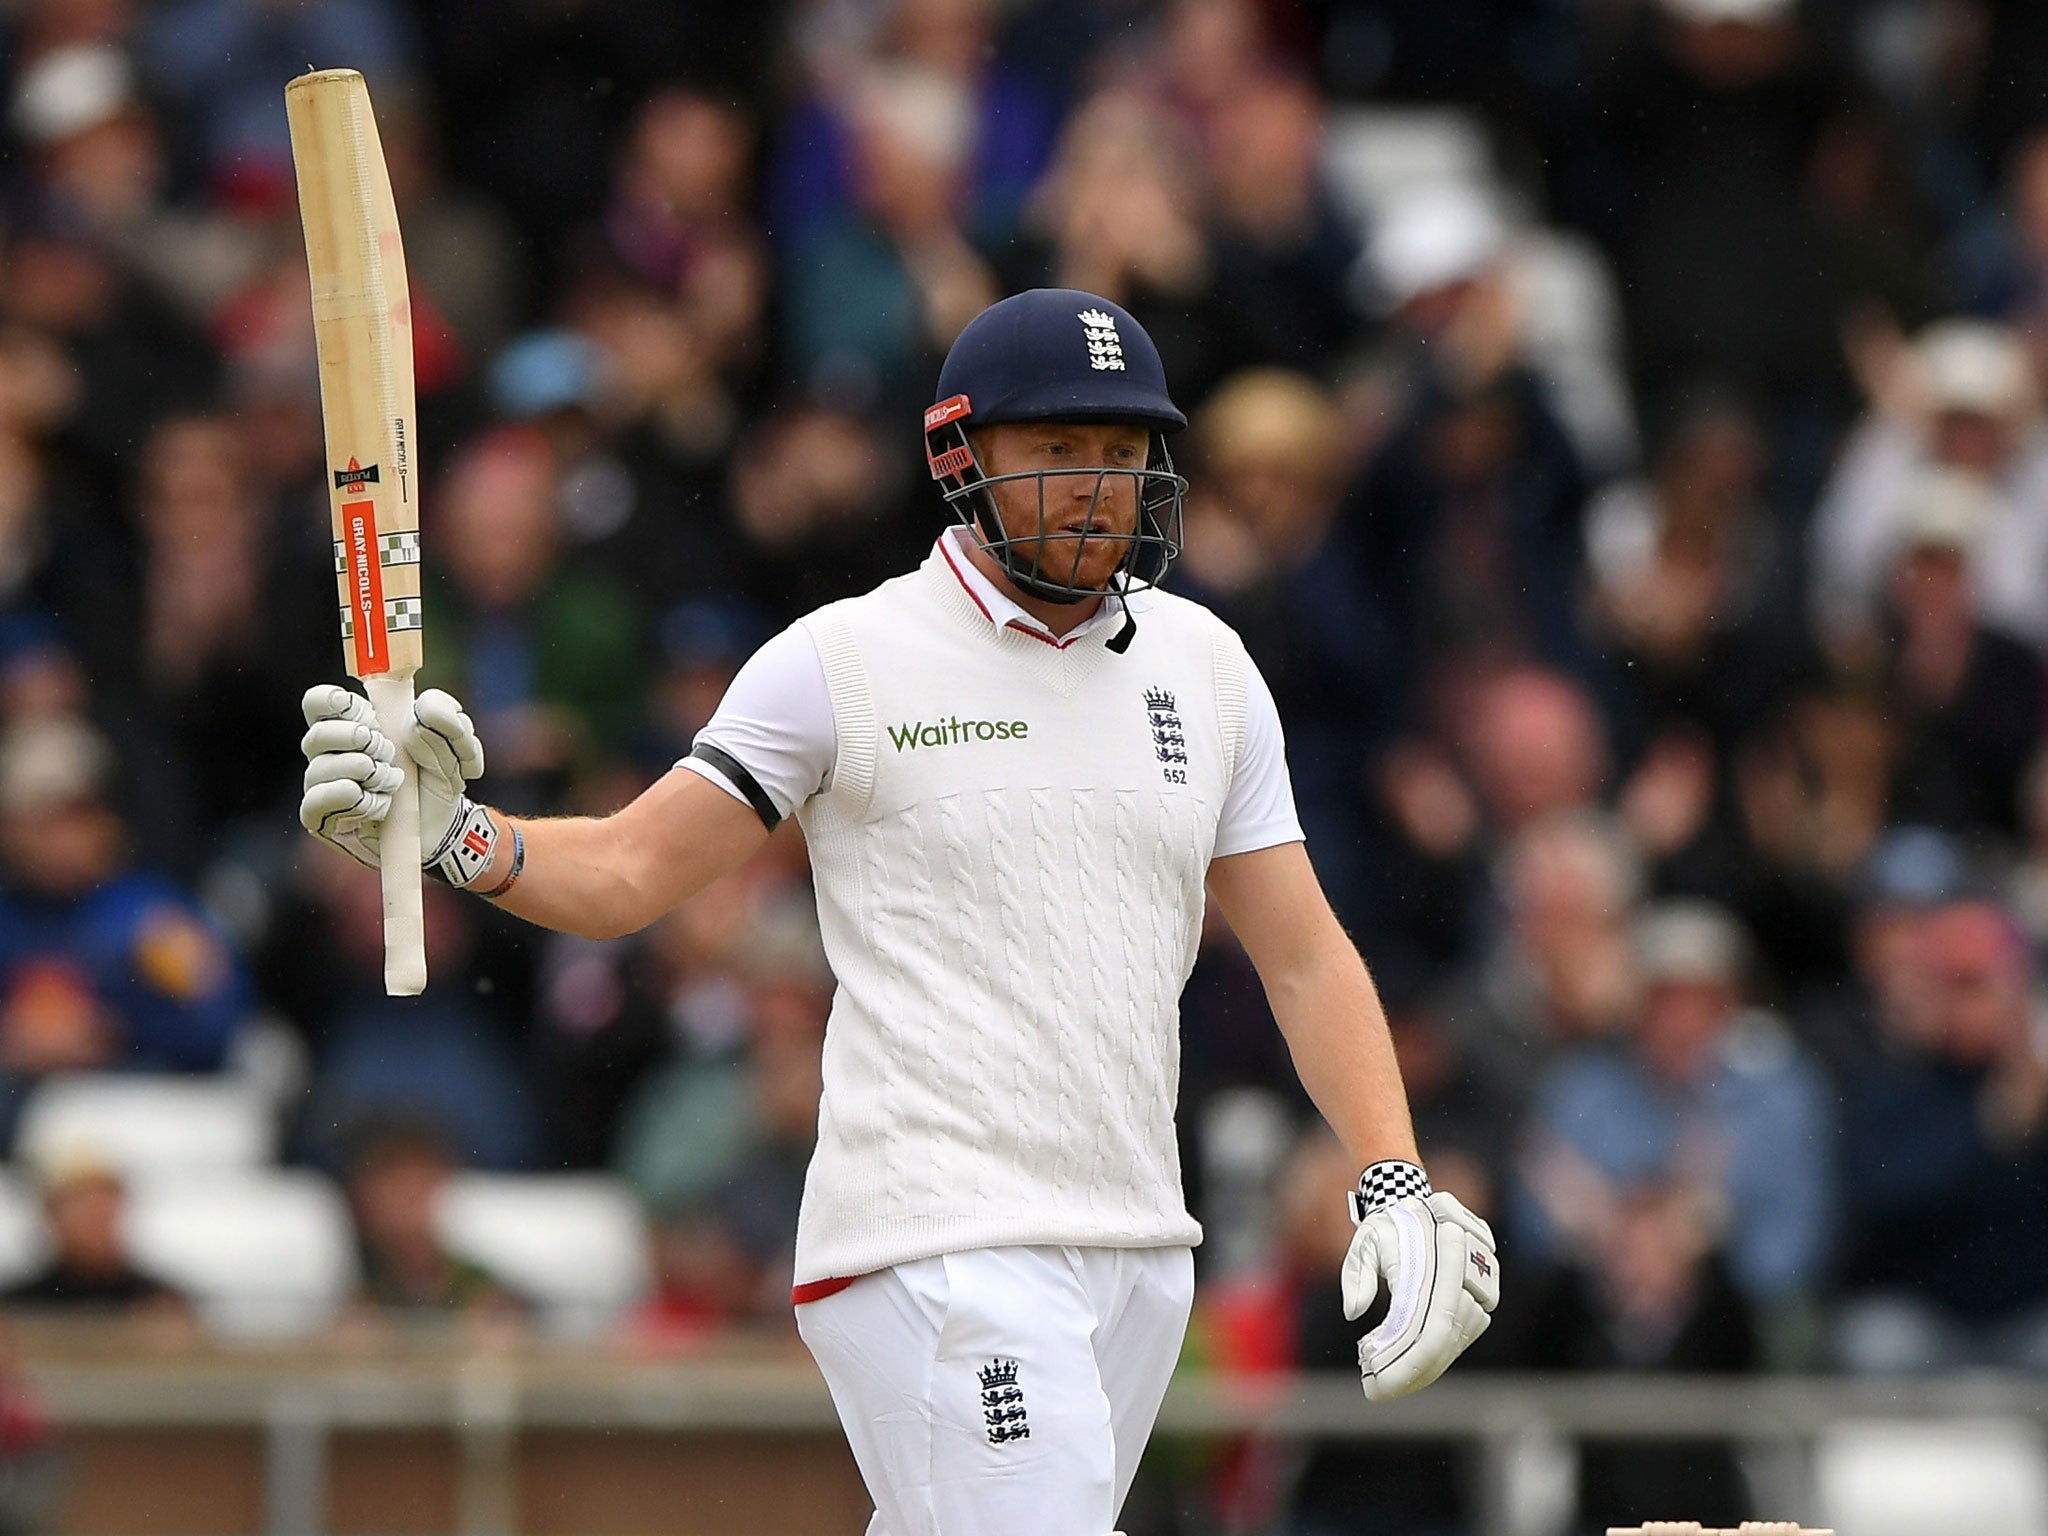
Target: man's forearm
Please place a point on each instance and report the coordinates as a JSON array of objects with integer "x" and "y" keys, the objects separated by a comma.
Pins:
[
  {"x": 602, "y": 877},
  {"x": 1337, "y": 1033},
  {"x": 588, "y": 888}
]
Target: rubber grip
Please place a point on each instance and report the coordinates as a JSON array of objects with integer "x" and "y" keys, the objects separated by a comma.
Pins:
[{"x": 405, "y": 944}]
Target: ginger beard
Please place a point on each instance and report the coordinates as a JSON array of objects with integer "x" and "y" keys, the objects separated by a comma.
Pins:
[{"x": 1071, "y": 515}]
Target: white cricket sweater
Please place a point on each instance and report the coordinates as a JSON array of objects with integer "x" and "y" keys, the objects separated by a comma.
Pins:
[{"x": 1009, "y": 860}]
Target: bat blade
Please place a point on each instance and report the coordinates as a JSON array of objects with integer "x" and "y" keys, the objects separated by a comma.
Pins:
[{"x": 362, "y": 323}]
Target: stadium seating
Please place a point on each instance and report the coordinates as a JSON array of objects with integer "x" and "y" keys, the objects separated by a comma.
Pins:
[
  {"x": 261, "y": 1251},
  {"x": 574, "y": 1245},
  {"x": 137, "y": 1123},
  {"x": 1911, "y": 1478}
]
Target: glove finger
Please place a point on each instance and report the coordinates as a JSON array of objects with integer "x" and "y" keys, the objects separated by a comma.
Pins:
[
  {"x": 437, "y": 711},
  {"x": 435, "y": 754},
  {"x": 332, "y": 810},
  {"x": 344, "y": 735},
  {"x": 358, "y": 768},
  {"x": 1482, "y": 1276},
  {"x": 1361, "y": 1273},
  {"x": 1449, "y": 1207},
  {"x": 1473, "y": 1320},
  {"x": 328, "y": 701}
]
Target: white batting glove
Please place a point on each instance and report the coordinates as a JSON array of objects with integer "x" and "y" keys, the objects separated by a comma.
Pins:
[
  {"x": 1442, "y": 1278},
  {"x": 351, "y": 773}
]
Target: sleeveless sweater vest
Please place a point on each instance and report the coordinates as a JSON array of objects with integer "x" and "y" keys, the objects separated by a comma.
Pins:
[{"x": 1009, "y": 862}]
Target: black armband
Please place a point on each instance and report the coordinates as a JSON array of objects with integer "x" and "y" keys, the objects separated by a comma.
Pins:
[{"x": 736, "y": 773}]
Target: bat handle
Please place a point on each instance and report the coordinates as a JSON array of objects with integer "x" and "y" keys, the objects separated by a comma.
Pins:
[{"x": 405, "y": 948}]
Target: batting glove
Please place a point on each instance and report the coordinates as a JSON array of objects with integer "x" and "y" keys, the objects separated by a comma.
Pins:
[
  {"x": 351, "y": 773},
  {"x": 1442, "y": 1278}
]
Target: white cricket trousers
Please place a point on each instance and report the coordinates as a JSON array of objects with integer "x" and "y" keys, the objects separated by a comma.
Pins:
[{"x": 1003, "y": 1391}]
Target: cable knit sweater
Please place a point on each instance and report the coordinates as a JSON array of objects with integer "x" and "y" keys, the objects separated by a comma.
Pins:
[{"x": 1009, "y": 862}]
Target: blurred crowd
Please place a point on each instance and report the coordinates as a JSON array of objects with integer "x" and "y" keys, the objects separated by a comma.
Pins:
[{"x": 1618, "y": 433}]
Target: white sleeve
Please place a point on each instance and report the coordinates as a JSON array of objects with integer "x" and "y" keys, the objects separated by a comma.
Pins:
[
  {"x": 1258, "y": 808},
  {"x": 774, "y": 725}
]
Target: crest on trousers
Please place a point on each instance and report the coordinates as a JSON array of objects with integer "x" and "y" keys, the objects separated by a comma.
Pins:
[
  {"x": 1105, "y": 347},
  {"x": 1002, "y": 1402}
]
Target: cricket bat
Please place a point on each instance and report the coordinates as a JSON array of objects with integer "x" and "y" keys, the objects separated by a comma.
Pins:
[{"x": 362, "y": 324}]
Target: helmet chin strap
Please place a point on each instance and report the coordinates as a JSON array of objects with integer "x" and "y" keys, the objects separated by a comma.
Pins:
[{"x": 1121, "y": 640}]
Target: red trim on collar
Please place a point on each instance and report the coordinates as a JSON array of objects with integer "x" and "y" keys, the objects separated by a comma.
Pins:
[
  {"x": 944, "y": 540},
  {"x": 1024, "y": 629},
  {"x": 1020, "y": 627}
]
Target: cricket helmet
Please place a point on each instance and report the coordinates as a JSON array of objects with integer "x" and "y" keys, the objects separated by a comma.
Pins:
[{"x": 1057, "y": 354}]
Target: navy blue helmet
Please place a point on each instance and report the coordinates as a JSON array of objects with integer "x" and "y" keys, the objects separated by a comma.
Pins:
[{"x": 1056, "y": 354}]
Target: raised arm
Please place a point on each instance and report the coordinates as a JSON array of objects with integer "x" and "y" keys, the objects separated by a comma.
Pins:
[
  {"x": 598, "y": 876},
  {"x": 603, "y": 876}
]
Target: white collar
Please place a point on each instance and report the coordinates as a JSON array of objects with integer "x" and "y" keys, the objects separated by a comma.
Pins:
[{"x": 953, "y": 552}]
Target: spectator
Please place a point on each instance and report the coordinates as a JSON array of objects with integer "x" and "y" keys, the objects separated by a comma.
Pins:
[
  {"x": 1811, "y": 789},
  {"x": 1534, "y": 746},
  {"x": 90, "y": 1268},
  {"x": 1691, "y": 585},
  {"x": 877, "y": 293},
  {"x": 543, "y": 649},
  {"x": 1452, "y": 272},
  {"x": 231, "y": 622},
  {"x": 1646, "y": 1288},
  {"x": 1944, "y": 1139},
  {"x": 1529, "y": 745},
  {"x": 1963, "y": 397},
  {"x": 670, "y": 1004},
  {"x": 1119, "y": 213},
  {"x": 1848, "y": 1016},
  {"x": 1006, "y": 121},
  {"x": 1708, "y": 1091},
  {"x": 133, "y": 357},
  {"x": 1968, "y": 698},
  {"x": 2003, "y": 253},
  {"x": 1468, "y": 514},
  {"x": 1264, "y": 549},
  {"x": 737, "y": 1129},
  {"x": 102, "y": 966},
  {"x": 1560, "y": 975},
  {"x": 219, "y": 63},
  {"x": 397, "y": 1176},
  {"x": 1283, "y": 252},
  {"x": 451, "y": 1062},
  {"x": 704, "y": 1284},
  {"x": 1710, "y": 115},
  {"x": 683, "y": 223},
  {"x": 820, "y": 508}
]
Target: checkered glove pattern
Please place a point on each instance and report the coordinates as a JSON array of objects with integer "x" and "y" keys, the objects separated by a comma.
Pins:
[
  {"x": 351, "y": 771},
  {"x": 1384, "y": 1183},
  {"x": 1437, "y": 1261}
]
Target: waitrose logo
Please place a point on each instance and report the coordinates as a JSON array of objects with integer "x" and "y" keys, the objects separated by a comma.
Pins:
[{"x": 953, "y": 730}]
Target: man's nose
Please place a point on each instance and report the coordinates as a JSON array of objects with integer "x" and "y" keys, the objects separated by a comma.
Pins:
[{"x": 1101, "y": 484}]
